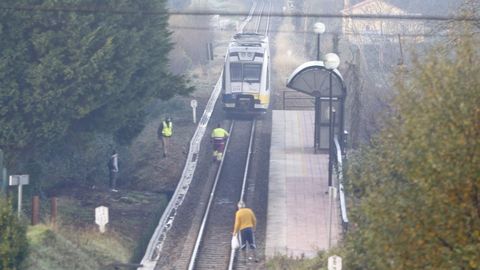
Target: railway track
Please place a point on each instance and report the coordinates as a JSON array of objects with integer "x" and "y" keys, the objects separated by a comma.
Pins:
[
  {"x": 258, "y": 20},
  {"x": 212, "y": 250},
  {"x": 205, "y": 242},
  {"x": 195, "y": 231}
]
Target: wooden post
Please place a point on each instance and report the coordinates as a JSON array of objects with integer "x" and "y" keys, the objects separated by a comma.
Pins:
[
  {"x": 53, "y": 218},
  {"x": 35, "y": 210}
]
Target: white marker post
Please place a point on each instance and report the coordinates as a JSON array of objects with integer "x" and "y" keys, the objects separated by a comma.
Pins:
[
  {"x": 334, "y": 263},
  {"x": 101, "y": 217},
  {"x": 19, "y": 180},
  {"x": 193, "y": 104}
]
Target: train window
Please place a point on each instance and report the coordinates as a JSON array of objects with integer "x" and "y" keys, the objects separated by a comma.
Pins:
[
  {"x": 235, "y": 72},
  {"x": 252, "y": 72}
]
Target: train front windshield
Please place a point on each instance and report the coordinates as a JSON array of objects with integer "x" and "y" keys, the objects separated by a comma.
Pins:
[
  {"x": 245, "y": 72},
  {"x": 252, "y": 72}
]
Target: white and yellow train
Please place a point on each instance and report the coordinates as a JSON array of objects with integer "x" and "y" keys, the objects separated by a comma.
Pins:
[{"x": 246, "y": 74}]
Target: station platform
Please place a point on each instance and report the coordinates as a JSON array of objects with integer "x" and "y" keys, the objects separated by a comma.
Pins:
[{"x": 299, "y": 206}]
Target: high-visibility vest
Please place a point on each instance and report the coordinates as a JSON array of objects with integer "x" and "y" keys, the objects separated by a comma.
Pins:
[
  {"x": 167, "y": 129},
  {"x": 219, "y": 133}
]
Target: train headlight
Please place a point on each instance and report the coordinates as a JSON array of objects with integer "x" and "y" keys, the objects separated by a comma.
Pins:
[{"x": 247, "y": 55}]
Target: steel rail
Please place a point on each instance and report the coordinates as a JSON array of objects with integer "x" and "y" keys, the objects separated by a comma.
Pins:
[
  {"x": 259, "y": 20},
  {"x": 249, "y": 17},
  {"x": 267, "y": 28},
  {"x": 247, "y": 164},
  {"x": 165, "y": 223},
  {"x": 244, "y": 183},
  {"x": 193, "y": 258}
]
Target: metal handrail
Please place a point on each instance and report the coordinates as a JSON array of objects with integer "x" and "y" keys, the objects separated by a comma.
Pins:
[{"x": 343, "y": 205}]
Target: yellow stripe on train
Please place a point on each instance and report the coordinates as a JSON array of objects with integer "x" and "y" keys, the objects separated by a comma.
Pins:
[{"x": 264, "y": 99}]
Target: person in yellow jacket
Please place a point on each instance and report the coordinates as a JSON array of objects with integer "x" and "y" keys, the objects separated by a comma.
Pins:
[
  {"x": 219, "y": 137},
  {"x": 245, "y": 223},
  {"x": 165, "y": 131}
]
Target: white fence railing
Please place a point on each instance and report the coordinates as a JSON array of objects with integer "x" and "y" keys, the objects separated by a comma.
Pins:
[
  {"x": 343, "y": 204},
  {"x": 156, "y": 242}
]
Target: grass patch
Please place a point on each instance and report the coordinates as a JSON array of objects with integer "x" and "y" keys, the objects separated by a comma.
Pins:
[
  {"x": 139, "y": 250},
  {"x": 76, "y": 242},
  {"x": 70, "y": 248},
  {"x": 71, "y": 211},
  {"x": 286, "y": 263},
  {"x": 319, "y": 262}
]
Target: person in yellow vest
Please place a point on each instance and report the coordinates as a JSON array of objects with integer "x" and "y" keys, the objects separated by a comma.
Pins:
[
  {"x": 165, "y": 131},
  {"x": 245, "y": 223},
  {"x": 219, "y": 137}
]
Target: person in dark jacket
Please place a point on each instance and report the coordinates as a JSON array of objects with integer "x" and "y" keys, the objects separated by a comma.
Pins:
[{"x": 113, "y": 170}]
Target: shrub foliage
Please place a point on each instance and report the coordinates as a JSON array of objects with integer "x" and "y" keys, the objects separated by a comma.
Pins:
[
  {"x": 13, "y": 239},
  {"x": 417, "y": 187},
  {"x": 78, "y": 70}
]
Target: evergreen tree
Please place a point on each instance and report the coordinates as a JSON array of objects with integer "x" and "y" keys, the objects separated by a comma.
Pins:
[
  {"x": 80, "y": 71},
  {"x": 13, "y": 239},
  {"x": 417, "y": 188}
]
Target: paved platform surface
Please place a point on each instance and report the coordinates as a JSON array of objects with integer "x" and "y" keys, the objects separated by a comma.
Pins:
[{"x": 298, "y": 201}]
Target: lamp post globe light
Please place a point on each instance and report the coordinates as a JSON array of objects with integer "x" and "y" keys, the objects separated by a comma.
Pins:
[
  {"x": 331, "y": 62},
  {"x": 318, "y": 28}
]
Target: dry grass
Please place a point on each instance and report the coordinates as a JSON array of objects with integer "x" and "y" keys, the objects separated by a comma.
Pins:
[{"x": 68, "y": 248}]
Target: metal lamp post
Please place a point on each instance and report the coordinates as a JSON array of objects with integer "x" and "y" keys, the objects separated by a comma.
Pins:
[
  {"x": 331, "y": 62},
  {"x": 318, "y": 28}
]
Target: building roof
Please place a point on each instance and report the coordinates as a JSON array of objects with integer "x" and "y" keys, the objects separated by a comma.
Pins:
[{"x": 360, "y": 8}]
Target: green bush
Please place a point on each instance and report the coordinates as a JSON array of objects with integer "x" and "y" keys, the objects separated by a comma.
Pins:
[
  {"x": 13, "y": 240},
  {"x": 68, "y": 247},
  {"x": 417, "y": 185}
]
